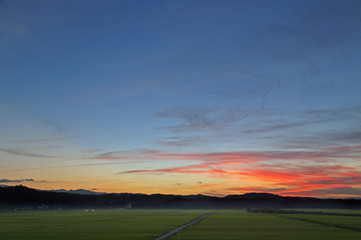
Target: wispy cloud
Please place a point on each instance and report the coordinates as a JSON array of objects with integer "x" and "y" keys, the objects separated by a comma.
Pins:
[
  {"x": 278, "y": 126},
  {"x": 45, "y": 140},
  {"x": 192, "y": 119},
  {"x": 302, "y": 180},
  {"x": 186, "y": 127},
  {"x": 188, "y": 119},
  {"x": 66, "y": 166},
  {"x": 196, "y": 168},
  {"x": 25, "y": 153},
  {"x": 311, "y": 26},
  {"x": 16, "y": 180},
  {"x": 305, "y": 118},
  {"x": 342, "y": 139},
  {"x": 283, "y": 172},
  {"x": 116, "y": 155},
  {"x": 56, "y": 126},
  {"x": 345, "y": 152},
  {"x": 282, "y": 179},
  {"x": 179, "y": 141}
]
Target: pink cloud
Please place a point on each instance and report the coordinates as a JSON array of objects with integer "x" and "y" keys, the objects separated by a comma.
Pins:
[
  {"x": 282, "y": 172},
  {"x": 352, "y": 152},
  {"x": 292, "y": 180}
]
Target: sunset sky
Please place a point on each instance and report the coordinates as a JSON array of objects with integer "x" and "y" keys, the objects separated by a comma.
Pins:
[{"x": 182, "y": 97}]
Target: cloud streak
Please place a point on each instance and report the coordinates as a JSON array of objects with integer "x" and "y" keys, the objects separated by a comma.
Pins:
[
  {"x": 67, "y": 166},
  {"x": 191, "y": 119},
  {"x": 346, "y": 152},
  {"x": 307, "y": 118},
  {"x": 45, "y": 140},
  {"x": 54, "y": 125},
  {"x": 187, "y": 127},
  {"x": 16, "y": 180},
  {"x": 283, "y": 172},
  {"x": 26, "y": 153},
  {"x": 285, "y": 180}
]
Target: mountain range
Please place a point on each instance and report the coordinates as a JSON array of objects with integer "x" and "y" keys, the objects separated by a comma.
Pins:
[
  {"x": 29, "y": 198},
  {"x": 78, "y": 191}
]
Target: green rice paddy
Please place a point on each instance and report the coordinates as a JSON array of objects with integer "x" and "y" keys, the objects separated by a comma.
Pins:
[
  {"x": 97, "y": 225},
  {"x": 150, "y": 224},
  {"x": 258, "y": 226}
]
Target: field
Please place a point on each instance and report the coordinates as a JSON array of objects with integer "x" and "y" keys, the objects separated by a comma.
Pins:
[
  {"x": 259, "y": 226},
  {"x": 150, "y": 224},
  {"x": 97, "y": 225}
]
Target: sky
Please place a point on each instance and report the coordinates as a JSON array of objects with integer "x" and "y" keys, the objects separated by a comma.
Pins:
[{"x": 182, "y": 97}]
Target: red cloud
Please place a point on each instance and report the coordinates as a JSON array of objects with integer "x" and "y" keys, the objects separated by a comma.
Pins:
[
  {"x": 286, "y": 180},
  {"x": 300, "y": 172}
]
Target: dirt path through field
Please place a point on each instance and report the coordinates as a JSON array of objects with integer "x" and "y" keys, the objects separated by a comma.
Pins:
[{"x": 167, "y": 235}]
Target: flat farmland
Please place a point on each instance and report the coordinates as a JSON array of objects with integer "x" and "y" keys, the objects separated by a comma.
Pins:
[
  {"x": 337, "y": 211},
  {"x": 97, "y": 225},
  {"x": 151, "y": 224},
  {"x": 237, "y": 224},
  {"x": 344, "y": 222}
]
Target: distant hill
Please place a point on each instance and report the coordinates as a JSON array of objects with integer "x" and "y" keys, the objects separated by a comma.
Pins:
[
  {"x": 254, "y": 196},
  {"x": 77, "y": 191},
  {"x": 28, "y": 198}
]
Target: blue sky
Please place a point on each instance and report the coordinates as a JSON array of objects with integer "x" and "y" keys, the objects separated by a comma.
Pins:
[{"x": 121, "y": 94}]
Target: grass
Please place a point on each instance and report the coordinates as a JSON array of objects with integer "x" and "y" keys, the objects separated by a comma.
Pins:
[
  {"x": 344, "y": 222},
  {"x": 256, "y": 226},
  {"x": 97, "y": 225},
  {"x": 150, "y": 224},
  {"x": 337, "y": 211}
]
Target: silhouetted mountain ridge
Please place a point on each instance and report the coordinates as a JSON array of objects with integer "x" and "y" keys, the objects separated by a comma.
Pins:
[
  {"x": 78, "y": 191},
  {"x": 24, "y": 197},
  {"x": 254, "y": 195}
]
